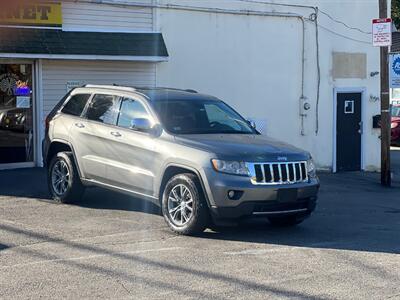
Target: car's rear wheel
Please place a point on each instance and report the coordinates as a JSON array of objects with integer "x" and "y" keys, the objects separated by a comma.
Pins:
[
  {"x": 183, "y": 205},
  {"x": 64, "y": 183},
  {"x": 287, "y": 221}
]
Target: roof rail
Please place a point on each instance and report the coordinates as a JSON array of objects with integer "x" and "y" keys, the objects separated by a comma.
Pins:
[
  {"x": 166, "y": 88},
  {"x": 111, "y": 87}
]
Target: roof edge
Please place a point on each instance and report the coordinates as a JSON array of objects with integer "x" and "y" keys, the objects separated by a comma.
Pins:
[{"x": 86, "y": 57}]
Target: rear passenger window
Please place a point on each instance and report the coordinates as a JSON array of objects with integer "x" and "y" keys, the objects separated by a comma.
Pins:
[
  {"x": 76, "y": 104},
  {"x": 103, "y": 109}
]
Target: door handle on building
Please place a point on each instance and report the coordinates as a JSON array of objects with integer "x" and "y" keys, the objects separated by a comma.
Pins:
[
  {"x": 116, "y": 134},
  {"x": 79, "y": 125},
  {"x": 361, "y": 130}
]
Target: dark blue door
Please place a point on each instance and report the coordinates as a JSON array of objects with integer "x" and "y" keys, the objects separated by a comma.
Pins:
[{"x": 348, "y": 132}]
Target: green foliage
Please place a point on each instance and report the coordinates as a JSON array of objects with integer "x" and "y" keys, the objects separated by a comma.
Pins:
[{"x": 396, "y": 12}]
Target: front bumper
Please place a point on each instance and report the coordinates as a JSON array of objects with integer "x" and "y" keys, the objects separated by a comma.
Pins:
[
  {"x": 300, "y": 207},
  {"x": 258, "y": 200}
]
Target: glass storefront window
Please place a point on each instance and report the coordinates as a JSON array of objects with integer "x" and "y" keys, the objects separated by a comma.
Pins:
[{"x": 16, "y": 113}]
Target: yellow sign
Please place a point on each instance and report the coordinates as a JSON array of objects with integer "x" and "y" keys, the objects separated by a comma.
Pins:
[{"x": 47, "y": 14}]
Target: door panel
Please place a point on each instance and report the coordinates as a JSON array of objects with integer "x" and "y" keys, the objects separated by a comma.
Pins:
[
  {"x": 348, "y": 132},
  {"x": 134, "y": 161},
  {"x": 92, "y": 138},
  {"x": 88, "y": 139},
  {"x": 136, "y": 158}
]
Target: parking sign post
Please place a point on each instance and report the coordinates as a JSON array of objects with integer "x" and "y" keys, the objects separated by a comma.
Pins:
[{"x": 382, "y": 37}]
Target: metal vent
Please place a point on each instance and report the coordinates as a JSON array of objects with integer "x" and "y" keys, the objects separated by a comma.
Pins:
[{"x": 278, "y": 173}]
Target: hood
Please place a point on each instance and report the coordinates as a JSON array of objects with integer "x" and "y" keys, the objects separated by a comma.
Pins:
[{"x": 243, "y": 147}]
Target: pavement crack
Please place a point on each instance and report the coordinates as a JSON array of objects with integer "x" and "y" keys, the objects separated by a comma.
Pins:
[{"x": 124, "y": 287}]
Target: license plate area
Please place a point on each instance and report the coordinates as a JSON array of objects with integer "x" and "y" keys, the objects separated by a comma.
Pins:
[{"x": 287, "y": 195}]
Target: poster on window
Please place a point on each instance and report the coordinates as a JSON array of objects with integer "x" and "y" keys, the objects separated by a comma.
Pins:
[
  {"x": 23, "y": 102},
  {"x": 394, "y": 71}
]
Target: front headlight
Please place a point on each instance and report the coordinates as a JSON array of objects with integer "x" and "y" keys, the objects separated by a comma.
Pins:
[
  {"x": 230, "y": 167},
  {"x": 311, "y": 170},
  {"x": 394, "y": 125}
]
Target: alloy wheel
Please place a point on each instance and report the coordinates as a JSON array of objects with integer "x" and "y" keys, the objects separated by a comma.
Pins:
[
  {"x": 180, "y": 205},
  {"x": 60, "y": 178}
]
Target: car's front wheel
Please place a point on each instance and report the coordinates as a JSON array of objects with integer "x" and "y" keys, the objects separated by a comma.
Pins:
[
  {"x": 183, "y": 205},
  {"x": 63, "y": 179}
]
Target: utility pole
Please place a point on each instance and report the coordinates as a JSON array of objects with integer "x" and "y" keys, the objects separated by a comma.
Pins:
[{"x": 385, "y": 106}]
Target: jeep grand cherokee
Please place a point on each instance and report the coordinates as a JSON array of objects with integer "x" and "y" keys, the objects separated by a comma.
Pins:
[{"x": 190, "y": 153}]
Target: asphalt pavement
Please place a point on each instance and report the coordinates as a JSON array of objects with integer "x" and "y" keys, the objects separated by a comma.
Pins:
[{"x": 114, "y": 246}]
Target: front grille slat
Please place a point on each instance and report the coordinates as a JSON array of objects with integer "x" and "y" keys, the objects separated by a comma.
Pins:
[
  {"x": 303, "y": 171},
  {"x": 298, "y": 175},
  {"x": 279, "y": 173},
  {"x": 267, "y": 172},
  {"x": 257, "y": 169},
  {"x": 291, "y": 172},
  {"x": 275, "y": 168},
  {"x": 263, "y": 173},
  {"x": 285, "y": 172},
  {"x": 272, "y": 173}
]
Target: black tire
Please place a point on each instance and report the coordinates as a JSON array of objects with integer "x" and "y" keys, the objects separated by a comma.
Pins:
[
  {"x": 287, "y": 221},
  {"x": 74, "y": 187},
  {"x": 200, "y": 217}
]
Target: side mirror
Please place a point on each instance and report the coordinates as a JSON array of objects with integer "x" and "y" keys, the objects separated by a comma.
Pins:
[
  {"x": 141, "y": 124},
  {"x": 252, "y": 124}
]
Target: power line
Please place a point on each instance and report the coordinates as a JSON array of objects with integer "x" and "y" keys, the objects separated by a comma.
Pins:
[
  {"x": 344, "y": 24},
  {"x": 344, "y": 36},
  {"x": 309, "y": 7}
]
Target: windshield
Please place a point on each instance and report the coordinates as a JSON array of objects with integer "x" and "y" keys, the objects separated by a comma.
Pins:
[
  {"x": 395, "y": 111},
  {"x": 200, "y": 117}
]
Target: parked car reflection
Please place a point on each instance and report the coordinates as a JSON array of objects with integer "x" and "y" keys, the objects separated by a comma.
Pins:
[
  {"x": 15, "y": 119},
  {"x": 395, "y": 125}
]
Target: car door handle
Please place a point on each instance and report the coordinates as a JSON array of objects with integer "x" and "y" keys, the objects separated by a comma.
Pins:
[
  {"x": 116, "y": 134},
  {"x": 79, "y": 125}
]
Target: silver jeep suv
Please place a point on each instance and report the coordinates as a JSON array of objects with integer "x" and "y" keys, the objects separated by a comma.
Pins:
[{"x": 190, "y": 153}]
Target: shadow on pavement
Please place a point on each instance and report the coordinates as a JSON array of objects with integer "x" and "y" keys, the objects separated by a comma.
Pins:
[
  {"x": 2, "y": 247},
  {"x": 354, "y": 213},
  {"x": 29, "y": 183},
  {"x": 32, "y": 183},
  {"x": 98, "y": 198},
  {"x": 188, "y": 269}
]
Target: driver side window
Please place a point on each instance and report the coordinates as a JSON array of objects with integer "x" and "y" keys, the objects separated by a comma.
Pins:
[
  {"x": 131, "y": 109},
  {"x": 215, "y": 114}
]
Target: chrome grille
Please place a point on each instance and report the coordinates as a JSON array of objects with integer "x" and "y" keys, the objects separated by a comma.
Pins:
[{"x": 278, "y": 173}]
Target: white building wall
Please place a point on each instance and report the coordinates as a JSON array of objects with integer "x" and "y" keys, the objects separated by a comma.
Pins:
[
  {"x": 254, "y": 64},
  {"x": 105, "y": 18}
]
